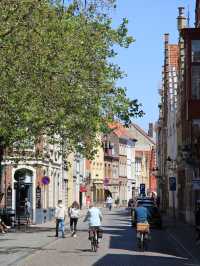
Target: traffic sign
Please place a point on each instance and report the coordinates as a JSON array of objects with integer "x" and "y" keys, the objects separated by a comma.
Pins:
[
  {"x": 172, "y": 183},
  {"x": 45, "y": 180},
  {"x": 142, "y": 189}
]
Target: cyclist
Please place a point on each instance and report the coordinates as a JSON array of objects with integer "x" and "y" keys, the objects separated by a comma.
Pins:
[
  {"x": 94, "y": 218},
  {"x": 141, "y": 215}
]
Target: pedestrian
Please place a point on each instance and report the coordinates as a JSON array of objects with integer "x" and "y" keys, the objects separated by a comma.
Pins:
[
  {"x": 60, "y": 215},
  {"x": 3, "y": 227},
  {"x": 27, "y": 207},
  {"x": 74, "y": 212},
  {"x": 197, "y": 222},
  {"x": 109, "y": 202}
]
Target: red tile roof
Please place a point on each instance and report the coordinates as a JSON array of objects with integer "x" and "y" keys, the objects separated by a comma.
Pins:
[{"x": 120, "y": 130}]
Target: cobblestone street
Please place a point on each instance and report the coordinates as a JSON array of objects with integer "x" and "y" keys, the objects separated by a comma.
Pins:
[{"x": 118, "y": 247}]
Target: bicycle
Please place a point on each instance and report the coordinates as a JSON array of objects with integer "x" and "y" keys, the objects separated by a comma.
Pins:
[
  {"x": 142, "y": 235},
  {"x": 95, "y": 233}
]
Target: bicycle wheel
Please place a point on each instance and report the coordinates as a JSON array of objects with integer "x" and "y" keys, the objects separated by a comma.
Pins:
[
  {"x": 145, "y": 244},
  {"x": 141, "y": 242},
  {"x": 95, "y": 246},
  {"x": 92, "y": 243}
]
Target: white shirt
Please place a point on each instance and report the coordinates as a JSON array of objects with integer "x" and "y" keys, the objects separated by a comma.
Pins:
[
  {"x": 74, "y": 213},
  {"x": 109, "y": 200},
  {"x": 60, "y": 212},
  {"x": 94, "y": 217}
]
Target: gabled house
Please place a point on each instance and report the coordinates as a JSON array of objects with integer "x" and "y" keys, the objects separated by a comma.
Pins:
[{"x": 145, "y": 161}]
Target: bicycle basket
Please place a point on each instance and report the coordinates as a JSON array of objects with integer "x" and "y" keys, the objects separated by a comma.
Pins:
[{"x": 143, "y": 227}]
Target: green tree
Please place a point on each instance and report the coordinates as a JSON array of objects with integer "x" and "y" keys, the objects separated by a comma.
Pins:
[{"x": 56, "y": 75}]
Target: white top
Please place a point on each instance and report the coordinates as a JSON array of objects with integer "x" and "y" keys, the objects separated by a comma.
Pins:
[
  {"x": 74, "y": 213},
  {"x": 94, "y": 217},
  {"x": 60, "y": 212},
  {"x": 109, "y": 200}
]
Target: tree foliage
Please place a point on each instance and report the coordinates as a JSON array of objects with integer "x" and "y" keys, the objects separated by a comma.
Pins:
[{"x": 56, "y": 75}]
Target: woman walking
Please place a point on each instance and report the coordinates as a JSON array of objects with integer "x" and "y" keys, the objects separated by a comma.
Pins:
[{"x": 74, "y": 212}]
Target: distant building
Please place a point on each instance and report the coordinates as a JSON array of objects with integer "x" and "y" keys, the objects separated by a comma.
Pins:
[
  {"x": 119, "y": 158},
  {"x": 145, "y": 160}
]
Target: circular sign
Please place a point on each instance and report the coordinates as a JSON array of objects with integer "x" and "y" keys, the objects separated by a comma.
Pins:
[{"x": 45, "y": 180}]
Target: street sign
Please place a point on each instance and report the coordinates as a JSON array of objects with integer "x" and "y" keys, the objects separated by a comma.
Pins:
[
  {"x": 45, "y": 180},
  {"x": 172, "y": 183},
  {"x": 106, "y": 181},
  {"x": 142, "y": 189},
  {"x": 196, "y": 184}
]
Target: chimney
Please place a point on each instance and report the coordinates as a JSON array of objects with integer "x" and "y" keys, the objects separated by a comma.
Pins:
[
  {"x": 166, "y": 43},
  {"x": 166, "y": 54},
  {"x": 181, "y": 19},
  {"x": 150, "y": 131}
]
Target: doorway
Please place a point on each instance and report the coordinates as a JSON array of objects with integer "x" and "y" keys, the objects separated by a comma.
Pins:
[{"x": 23, "y": 189}]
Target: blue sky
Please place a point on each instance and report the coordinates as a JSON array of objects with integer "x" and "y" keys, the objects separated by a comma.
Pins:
[{"x": 142, "y": 61}]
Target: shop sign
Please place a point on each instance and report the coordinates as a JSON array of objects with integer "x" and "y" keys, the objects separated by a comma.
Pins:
[{"x": 83, "y": 188}]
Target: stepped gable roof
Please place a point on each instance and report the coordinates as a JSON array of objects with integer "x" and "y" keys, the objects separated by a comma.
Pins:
[
  {"x": 173, "y": 55},
  {"x": 143, "y": 133}
]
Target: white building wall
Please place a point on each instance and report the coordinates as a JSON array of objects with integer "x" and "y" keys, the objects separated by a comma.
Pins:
[
  {"x": 130, "y": 168},
  {"x": 171, "y": 130}
]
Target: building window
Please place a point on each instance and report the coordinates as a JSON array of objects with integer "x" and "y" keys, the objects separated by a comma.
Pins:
[
  {"x": 196, "y": 51},
  {"x": 196, "y": 82}
]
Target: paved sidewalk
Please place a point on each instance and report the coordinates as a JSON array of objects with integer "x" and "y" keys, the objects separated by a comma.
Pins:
[
  {"x": 184, "y": 235},
  {"x": 15, "y": 246}
]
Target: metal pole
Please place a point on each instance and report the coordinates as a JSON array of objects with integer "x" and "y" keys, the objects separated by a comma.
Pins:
[
  {"x": 5, "y": 182},
  {"x": 173, "y": 206}
]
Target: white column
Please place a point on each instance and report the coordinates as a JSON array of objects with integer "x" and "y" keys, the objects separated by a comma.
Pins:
[
  {"x": 13, "y": 192},
  {"x": 34, "y": 196}
]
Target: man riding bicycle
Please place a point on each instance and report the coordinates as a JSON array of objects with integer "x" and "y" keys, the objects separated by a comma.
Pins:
[
  {"x": 141, "y": 217},
  {"x": 94, "y": 218}
]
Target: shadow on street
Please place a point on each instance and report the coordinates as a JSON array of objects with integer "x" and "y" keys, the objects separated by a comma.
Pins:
[{"x": 131, "y": 260}]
